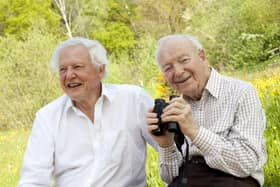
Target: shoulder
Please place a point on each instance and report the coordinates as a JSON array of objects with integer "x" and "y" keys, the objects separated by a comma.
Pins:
[
  {"x": 54, "y": 106},
  {"x": 125, "y": 89},
  {"x": 127, "y": 93},
  {"x": 239, "y": 89},
  {"x": 237, "y": 84}
]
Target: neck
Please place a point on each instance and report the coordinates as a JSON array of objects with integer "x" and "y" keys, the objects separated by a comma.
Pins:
[
  {"x": 197, "y": 96},
  {"x": 87, "y": 106}
]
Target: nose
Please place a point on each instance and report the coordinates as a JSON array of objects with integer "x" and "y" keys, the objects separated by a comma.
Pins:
[
  {"x": 178, "y": 70},
  {"x": 70, "y": 73}
]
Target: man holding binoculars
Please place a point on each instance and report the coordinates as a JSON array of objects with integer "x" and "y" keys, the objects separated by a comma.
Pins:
[{"x": 221, "y": 119}]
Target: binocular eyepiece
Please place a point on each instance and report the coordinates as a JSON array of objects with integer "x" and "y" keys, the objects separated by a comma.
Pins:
[{"x": 170, "y": 126}]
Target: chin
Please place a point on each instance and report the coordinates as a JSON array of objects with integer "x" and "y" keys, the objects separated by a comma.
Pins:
[{"x": 73, "y": 97}]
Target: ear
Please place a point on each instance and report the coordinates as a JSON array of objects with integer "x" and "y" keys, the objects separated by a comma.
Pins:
[
  {"x": 202, "y": 55},
  {"x": 101, "y": 70}
]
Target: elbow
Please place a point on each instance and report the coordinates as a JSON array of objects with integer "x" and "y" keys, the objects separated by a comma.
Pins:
[{"x": 248, "y": 167}]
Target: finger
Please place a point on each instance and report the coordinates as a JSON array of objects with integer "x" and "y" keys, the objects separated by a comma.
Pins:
[
  {"x": 172, "y": 111},
  {"x": 178, "y": 105},
  {"x": 152, "y": 121},
  {"x": 176, "y": 118},
  {"x": 178, "y": 99},
  {"x": 151, "y": 115},
  {"x": 152, "y": 127},
  {"x": 150, "y": 110}
]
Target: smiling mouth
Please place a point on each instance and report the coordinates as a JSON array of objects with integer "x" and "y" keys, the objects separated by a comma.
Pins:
[
  {"x": 73, "y": 85},
  {"x": 182, "y": 81}
]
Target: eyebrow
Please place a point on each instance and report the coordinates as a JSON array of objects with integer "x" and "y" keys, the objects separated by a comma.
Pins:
[{"x": 183, "y": 56}]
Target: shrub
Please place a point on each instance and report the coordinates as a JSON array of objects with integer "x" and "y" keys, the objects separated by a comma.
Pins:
[{"x": 26, "y": 79}]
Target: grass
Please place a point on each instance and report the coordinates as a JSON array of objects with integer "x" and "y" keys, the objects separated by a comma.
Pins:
[{"x": 12, "y": 147}]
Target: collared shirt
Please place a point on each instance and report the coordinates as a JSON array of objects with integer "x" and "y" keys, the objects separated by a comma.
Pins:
[
  {"x": 65, "y": 144},
  {"x": 230, "y": 136}
]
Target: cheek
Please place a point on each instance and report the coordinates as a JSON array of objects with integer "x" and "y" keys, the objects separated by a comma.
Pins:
[
  {"x": 168, "y": 78},
  {"x": 61, "y": 81}
]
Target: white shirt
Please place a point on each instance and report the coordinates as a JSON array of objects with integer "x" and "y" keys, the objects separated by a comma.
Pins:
[
  {"x": 231, "y": 134},
  {"x": 65, "y": 144}
]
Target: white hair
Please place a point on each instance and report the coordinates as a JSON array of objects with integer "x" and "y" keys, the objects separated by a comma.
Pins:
[
  {"x": 162, "y": 41},
  {"x": 97, "y": 52}
]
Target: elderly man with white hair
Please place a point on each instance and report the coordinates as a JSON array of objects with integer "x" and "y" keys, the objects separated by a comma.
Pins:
[
  {"x": 93, "y": 135},
  {"x": 221, "y": 119}
]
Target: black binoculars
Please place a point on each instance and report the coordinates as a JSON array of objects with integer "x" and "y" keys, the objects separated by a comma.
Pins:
[{"x": 170, "y": 126}]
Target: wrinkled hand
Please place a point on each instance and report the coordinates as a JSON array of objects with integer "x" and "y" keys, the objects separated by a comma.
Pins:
[
  {"x": 180, "y": 111},
  {"x": 165, "y": 140}
]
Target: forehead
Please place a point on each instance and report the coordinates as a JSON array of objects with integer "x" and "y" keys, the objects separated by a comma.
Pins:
[
  {"x": 74, "y": 53},
  {"x": 175, "y": 48}
]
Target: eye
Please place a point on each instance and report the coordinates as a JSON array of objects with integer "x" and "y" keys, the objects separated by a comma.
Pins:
[
  {"x": 185, "y": 60},
  {"x": 167, "y": 68},
  {"x": 78, "y": 66},
  {"x": 62, "y": 70}
]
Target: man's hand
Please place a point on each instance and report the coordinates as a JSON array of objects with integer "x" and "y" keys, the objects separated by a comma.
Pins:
[
  {"x": 165, "y": 140},
  {"x": 180, "y": 111}
]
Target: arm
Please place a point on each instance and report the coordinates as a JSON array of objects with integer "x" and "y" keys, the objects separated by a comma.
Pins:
[
  {"x": 242, "y": 151},
  {"x": 38, "y": 160},
  {"x": 170, "y": 158},
  {"x": 145, "y": 102}
]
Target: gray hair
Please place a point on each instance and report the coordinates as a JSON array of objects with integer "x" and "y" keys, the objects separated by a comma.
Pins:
[
  {"x": 162, "y": 41},
  {"x": 97, "y": 52}
]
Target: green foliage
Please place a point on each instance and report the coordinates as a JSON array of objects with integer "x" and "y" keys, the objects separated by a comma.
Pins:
[
  {"x": 117, "y": 38},
  {"x": 17, "y": 16},
  {"x": 139, "y": 69},
  {"x": 249, "y": 51},
  {"x": 157, "y": 18},
  {"x": 120, "y": 11},
  {"x": 271, "y": 105},
  {"x": 86, "y": 16},
  {"x": 152, "y": 169},
  {"x": 237, "y": 34},
  {"x": 27, "y": 83},
  {"x": 117, "y": 33},
  {"x": 12, "y": 147}
]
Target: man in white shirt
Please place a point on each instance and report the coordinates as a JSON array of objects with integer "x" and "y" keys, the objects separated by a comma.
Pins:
[
  {"x": 221, "y": 118},
  {"x": 95, "y": 134}
]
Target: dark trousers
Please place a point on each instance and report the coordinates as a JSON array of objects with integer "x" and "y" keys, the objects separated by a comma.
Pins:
[{"x": 201, "y": 175}]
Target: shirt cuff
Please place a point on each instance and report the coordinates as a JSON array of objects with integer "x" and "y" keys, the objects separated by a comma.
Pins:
[
  {"x": 205, "y": 140},
  {"x": 168, "y": 154}
]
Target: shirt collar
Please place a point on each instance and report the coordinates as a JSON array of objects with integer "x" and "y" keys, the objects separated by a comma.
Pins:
[
  {"x": 214, "y": 83},
  {"x": 106, "y": 93}
]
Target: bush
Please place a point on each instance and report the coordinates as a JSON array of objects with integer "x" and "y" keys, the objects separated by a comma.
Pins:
[{"x": 26, "y": 79}]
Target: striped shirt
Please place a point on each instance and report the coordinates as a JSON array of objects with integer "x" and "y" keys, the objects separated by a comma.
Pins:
[{"x": 230, "y": 137}]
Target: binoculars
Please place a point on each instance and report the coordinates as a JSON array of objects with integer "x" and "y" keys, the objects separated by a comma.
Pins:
[{"x": 170, "y": 126}]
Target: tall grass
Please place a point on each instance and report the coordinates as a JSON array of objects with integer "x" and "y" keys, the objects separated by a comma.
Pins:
[
  {"x": 268, "y": 86},
  {"x": 12, "y": 147}
]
